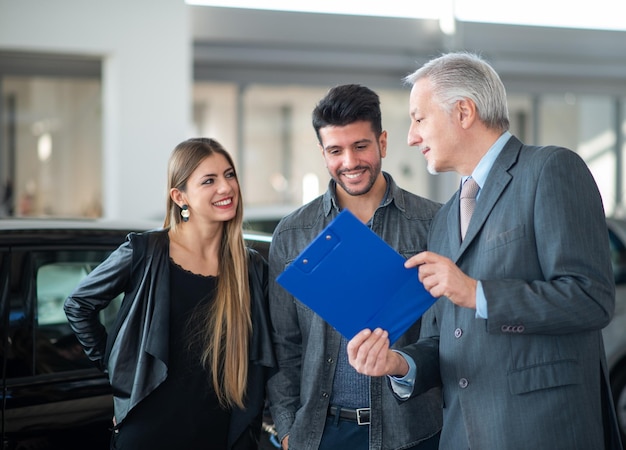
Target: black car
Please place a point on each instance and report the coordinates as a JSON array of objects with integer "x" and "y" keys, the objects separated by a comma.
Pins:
[{"x": 52, "y": 396}]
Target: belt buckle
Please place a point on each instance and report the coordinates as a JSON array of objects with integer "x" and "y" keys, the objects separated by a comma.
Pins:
[{"x": 360, "y": 411}]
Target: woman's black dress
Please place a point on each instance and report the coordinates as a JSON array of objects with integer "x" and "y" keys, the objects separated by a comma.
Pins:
[{"x": 183, "y": 413}]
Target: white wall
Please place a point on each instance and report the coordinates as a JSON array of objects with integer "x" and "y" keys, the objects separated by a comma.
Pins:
[{"x": 146, "y": 79}]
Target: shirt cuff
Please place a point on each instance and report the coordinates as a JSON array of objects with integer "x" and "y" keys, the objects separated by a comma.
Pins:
[
  {"x": 403, "y": 386},
  {"x": 481, "y": 302}
]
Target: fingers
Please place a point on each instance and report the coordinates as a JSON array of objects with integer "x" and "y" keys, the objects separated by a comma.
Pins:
[
  {"x": 368, "y": 352},
  {"x": 376, "y": 357},
  {"x": 422, "y": 258},
  {"x": 415, "y": 260},
  {"x": 355, "y": 343}
]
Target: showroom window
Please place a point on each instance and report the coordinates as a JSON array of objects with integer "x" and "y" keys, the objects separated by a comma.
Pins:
[
  {"x": 586, "y": 124},
  {"x": 50, "y": 136}
]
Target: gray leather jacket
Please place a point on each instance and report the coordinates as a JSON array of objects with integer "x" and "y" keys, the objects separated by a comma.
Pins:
[
  {"x": 139, "y": 269},
  {"x": 307, "y": 348}
]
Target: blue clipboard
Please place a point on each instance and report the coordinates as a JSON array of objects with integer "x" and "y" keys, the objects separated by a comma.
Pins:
[{"x": 354, "y": 280}]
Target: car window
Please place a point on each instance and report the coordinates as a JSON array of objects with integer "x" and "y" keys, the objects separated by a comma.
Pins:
[
  {"x": 54, "y": 283},
  {"x": 40, "y": 338}
]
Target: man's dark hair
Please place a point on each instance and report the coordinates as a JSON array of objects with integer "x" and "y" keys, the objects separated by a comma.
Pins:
[{"x": 346, "y": 104}]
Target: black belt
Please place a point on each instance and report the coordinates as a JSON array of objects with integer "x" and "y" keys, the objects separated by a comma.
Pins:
[{"x": 359, "y": 415}]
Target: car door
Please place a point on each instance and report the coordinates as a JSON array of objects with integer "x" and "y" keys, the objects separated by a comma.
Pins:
[{"x": 49, "y": 385}]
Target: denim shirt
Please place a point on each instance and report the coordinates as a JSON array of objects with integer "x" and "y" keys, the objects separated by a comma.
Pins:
[{"x": 307, "y": 347}]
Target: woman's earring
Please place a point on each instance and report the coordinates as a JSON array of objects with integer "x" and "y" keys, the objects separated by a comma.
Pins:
[{"x": 184, "y": 213}]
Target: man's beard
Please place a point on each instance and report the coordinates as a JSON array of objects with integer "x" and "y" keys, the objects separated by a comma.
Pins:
[{"x": 372, "y": 172}]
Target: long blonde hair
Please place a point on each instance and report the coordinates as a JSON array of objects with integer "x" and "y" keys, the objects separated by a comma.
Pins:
[{"x": 226, "y": 324}]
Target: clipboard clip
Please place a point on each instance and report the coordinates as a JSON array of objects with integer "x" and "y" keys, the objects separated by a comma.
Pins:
[{"x": 314, "y": 255}]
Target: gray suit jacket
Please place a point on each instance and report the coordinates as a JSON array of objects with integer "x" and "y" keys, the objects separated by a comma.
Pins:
[{"x": 533, "y": 375}]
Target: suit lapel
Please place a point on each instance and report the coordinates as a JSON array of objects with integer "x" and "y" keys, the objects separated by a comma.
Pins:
[
  {"x": 454, "y": 224},
  {"x": 497, "y": 180}
]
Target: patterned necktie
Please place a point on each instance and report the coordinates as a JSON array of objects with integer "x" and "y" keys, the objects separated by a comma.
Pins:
[{"x": 468, "y": 202}]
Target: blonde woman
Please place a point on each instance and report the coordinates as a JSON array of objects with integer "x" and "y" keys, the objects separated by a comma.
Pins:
[{"x": 190, "y": 351}]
